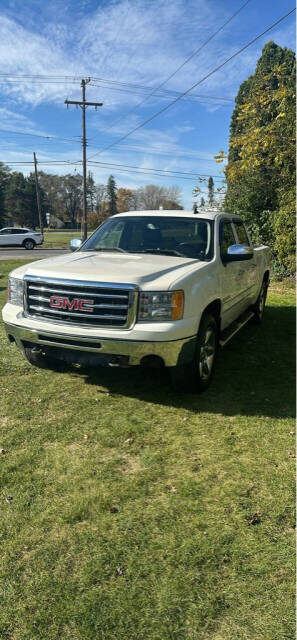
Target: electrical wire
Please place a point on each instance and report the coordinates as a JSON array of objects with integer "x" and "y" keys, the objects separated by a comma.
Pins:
[
  {"x": 121, "y": 168},
  {"x": 195, "y": 53},
  {"x": 208, "y": 75},
  {"x": 36, "y": 135}
]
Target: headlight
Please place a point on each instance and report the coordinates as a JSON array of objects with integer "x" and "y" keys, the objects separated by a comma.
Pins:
[
  {"x": 15, "y": 291},
  {"x": 160, "y": 306}
]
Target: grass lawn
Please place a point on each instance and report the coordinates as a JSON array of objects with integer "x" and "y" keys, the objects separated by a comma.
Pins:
[
  {"x": 131, "y": 513},
  {"x": 59, "y": 240}
]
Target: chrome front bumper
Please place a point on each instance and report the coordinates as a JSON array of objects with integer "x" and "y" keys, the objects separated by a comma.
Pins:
[{"x": 171, "y": 352}]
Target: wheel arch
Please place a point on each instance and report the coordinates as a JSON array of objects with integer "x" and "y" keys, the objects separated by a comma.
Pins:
[
  {"x": 266, "y": 276},
  {"x": 213, "y": 308}
]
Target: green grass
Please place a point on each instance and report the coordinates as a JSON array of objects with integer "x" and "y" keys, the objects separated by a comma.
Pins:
[
  {"x": 54, "y": 240},
  {"x": 178, "y": 558}
]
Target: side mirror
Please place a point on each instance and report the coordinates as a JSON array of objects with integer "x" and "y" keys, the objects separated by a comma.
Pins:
[
  {"x": 75, "y": 243},
  {"x": 238, "y": 252}
]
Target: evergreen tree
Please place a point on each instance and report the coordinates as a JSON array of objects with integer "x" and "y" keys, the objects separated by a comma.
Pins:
[
  {"x": 111, "y": 196},
  {"x": 210, "y": 191},
  {"x": 195, "y": 207},
  {"x": 91, "y": 192},
  {"x": 202, "y": 202},
  {"x": 4, "y": 177}
]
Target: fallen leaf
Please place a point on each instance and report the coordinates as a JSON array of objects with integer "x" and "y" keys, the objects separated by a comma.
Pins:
[
  {"x": 86, "y": 436},
  {"x": 114, "y": 509},
  {"x": 119, "y": 571},
  {"x": 129, "y": 441},
  {"x": 291, "y": 454},
  {"x": 256, "y": 518},
  {"x": 9, "y": 499},
  {"x": 2, "y": 451},
  {"x": 172, "y": 489},
  {"x": 292, "y": 433}
]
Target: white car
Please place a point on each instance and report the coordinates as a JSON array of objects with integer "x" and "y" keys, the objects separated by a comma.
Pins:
[
  {"x": 20, "y": 237},
  {"x": 151, "y": 288}
]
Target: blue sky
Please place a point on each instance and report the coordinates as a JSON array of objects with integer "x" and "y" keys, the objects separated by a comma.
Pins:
[{"x": 127, "y": 41}]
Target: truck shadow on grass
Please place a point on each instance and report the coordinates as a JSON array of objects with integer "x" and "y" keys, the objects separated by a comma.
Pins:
[{"x": 254, "y": 374}]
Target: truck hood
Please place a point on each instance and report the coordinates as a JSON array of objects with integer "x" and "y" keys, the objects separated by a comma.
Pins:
[{"x": 148, "y": 271}]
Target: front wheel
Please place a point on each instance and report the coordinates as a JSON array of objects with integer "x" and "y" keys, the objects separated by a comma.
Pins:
[
  {"x": 29, "y": 244},
  {"x": 259, "y": 307},
  {"x": 38, "y": 359},
  {"x": 197, "y": 375}
]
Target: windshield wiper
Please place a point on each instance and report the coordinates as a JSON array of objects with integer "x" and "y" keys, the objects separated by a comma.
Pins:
[
  {"x": 165, "y": 252},
  {"x": 108, "y": 249}
]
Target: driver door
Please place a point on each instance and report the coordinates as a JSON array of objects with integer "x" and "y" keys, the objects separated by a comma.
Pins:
[
  {"x": 5, "y": 237},
  {"x": 231, "y": 277}
]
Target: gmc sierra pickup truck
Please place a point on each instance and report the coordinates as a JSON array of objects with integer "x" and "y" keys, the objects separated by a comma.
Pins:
[{"x": 154, "y": 288}]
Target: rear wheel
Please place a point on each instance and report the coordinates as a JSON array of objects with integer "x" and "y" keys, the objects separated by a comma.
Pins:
[
  {"x": 197, "y": 375},
  {"x": 29, "y": 244}
]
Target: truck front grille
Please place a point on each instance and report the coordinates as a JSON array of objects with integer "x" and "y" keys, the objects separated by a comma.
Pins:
[{"x": 81, "y": 303}]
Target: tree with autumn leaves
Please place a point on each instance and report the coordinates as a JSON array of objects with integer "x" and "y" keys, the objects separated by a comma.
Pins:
[{"x": 260, "y": 172}]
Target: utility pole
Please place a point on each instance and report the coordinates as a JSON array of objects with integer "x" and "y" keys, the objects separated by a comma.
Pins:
[
  {"x": 38, "y": 193},
  {"x": 84, "y": 104}
]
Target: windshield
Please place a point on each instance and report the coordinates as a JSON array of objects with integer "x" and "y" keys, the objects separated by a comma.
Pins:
[{"x": 186, "y": 237}]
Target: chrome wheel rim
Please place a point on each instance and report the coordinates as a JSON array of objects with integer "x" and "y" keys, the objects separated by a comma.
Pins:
[{"x": 207, "y": 354}]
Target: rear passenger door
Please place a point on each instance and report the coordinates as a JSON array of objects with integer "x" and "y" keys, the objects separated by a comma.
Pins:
[
  {"x": 249, "y": 267},
  {"x": 18, "y": 235}
]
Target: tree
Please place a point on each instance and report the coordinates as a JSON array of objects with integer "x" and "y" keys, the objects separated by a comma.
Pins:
[
  {"x": 111, "y": 196},
  {"x": 124, "y": 199},
  {"x": 202, "y": 202},
  {"x": 71, "y": 193},
  {"x": 210, "y": 191},
  {"x": 261, "y": 160},
  {"x": 20, "y": 200},
  {"x": 101, "y": 199},
  {"x": 91, "y": 192},
  {"x": 195, "y": 207},
  {"x": 4, "y": 178},
  {"x": 152, "y": 197}
]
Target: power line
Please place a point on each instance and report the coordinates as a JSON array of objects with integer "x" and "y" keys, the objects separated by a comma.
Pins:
[
  {"x": 122, "y": 168},
  {"x": 163, "y": 92},
  {"x": 37, "y": 135},
  {"x": 125, "y": 85},
  {"x": 195, "y": 53},
  {"x": 208, "y": 75},
  {"x": 149, "y": 88},
  {"x": 131, "y": 166}
]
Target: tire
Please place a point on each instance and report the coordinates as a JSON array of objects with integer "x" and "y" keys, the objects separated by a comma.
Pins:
[
  {"x": 29, "y": 244},
  {"x": 196, "y": 376},
  {"x": 37, "y": 359},
  {"x": 259, "y": 306}
]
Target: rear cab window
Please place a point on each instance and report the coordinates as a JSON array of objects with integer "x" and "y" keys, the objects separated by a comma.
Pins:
[
  {"x": 241, "y": 233},
  {"x": 227, "y": 237}
]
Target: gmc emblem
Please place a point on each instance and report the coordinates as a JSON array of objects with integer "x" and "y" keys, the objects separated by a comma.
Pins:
[{"x": 77, "y": 304}]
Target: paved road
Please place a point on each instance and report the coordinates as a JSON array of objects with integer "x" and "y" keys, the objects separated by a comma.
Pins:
[{"x": 21, "y": 254}]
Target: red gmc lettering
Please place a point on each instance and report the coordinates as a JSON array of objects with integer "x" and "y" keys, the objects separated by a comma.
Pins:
[{"x": 58, "y": 302}]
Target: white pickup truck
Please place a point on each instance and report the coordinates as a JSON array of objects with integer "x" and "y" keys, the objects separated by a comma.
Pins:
[{"x": 152, "y": 288}]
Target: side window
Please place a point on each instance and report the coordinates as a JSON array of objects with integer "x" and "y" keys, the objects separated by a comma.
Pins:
[
  {"x": 6, "y": 232},
  {"x": 226, "y": 236},
  {"x": 241, "y": 233},
  {"x": 16, "y": 232}
]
